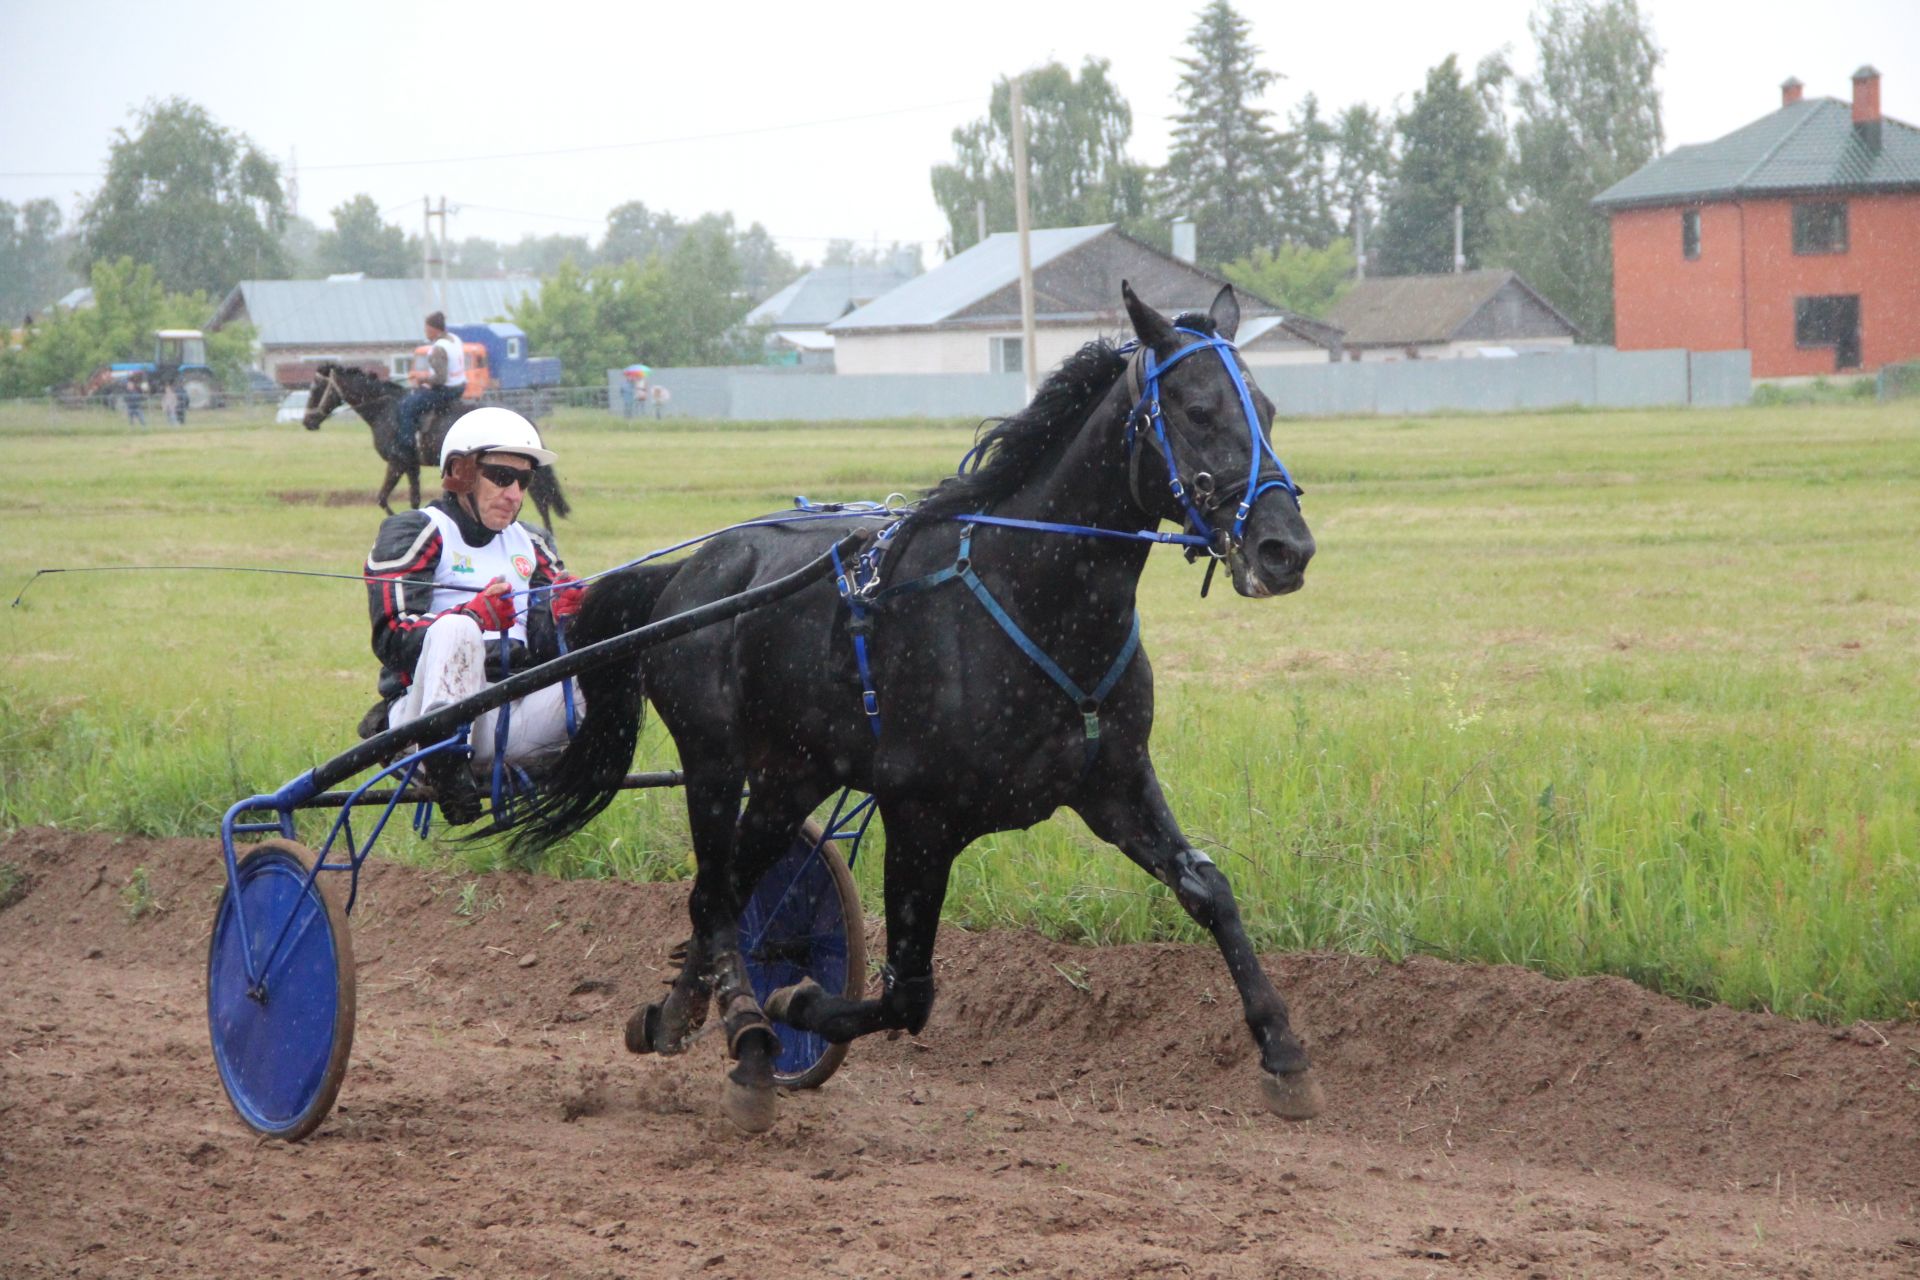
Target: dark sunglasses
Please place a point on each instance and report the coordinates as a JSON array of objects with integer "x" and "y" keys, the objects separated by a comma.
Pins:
[{"x": 506, "y": 477}]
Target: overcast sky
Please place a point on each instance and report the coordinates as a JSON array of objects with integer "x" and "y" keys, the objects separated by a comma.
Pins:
[{"x": 818, "y": 121}]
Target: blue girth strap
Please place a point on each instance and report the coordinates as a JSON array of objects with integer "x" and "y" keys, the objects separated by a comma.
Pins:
[{"x": 860, "y": 623}]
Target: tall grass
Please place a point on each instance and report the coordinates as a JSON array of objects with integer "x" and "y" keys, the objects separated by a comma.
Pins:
[{"x": 1623, "y": 693}]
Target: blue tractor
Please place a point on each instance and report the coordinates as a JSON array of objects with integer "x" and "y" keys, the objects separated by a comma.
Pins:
[{"x": 179, "y": 358}]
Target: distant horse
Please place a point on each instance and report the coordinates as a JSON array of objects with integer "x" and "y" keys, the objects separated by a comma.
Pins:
[
  {"x": 971, "y": 733},
  {"x": 378, "y": 401}
]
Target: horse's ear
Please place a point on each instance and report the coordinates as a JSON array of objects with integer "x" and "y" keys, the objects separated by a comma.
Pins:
[
  {"x": 1225, "y": 313},
  {"x": 1149, "y": 325}
]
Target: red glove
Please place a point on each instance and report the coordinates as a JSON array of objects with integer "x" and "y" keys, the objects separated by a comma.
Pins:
[
  {"x": 492, "y": 607},
  {"x": 566, "y": 600}
]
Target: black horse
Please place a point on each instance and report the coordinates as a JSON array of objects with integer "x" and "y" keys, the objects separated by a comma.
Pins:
[
  {"x": 975, "y": 737},
  {"x": 378, "y": 401}
]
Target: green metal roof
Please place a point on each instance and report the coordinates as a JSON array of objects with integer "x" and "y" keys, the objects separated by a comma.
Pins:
[{"x": 1810, "y": 145}]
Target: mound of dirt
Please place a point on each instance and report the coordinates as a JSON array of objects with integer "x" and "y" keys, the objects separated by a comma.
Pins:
[{"x": 1068, "y": 1111}]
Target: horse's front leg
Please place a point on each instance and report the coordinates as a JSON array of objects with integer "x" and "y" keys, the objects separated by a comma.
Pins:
[
  {"x": 413, "y": 485},
  {"x": 1131, "y": 812},
  {"x": 921, "y": 847}
]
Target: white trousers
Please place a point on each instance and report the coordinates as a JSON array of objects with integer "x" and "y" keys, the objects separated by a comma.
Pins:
[{"x": 453, "y": 665}]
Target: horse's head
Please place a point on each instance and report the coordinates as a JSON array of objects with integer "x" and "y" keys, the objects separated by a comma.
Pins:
[
  {"x": 324, "y": 396},
  {"x": 1200, "y": 446}
]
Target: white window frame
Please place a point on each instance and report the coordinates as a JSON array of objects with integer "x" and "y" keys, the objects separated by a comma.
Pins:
[
  {"x": 401, "y": 366},
  {"x": 513, "y": 348},
  {"x": 1004, "y": 354}
]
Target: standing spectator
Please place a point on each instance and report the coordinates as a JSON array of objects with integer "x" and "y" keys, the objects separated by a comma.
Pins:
[
  {"x": 167, "y": 400},
  {"x": 136, "y": 398}
]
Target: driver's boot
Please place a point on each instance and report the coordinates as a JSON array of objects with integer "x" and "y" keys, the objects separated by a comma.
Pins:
[{"x": 453, "y": 787}]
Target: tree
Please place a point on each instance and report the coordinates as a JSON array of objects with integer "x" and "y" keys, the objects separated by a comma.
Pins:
[
  {"x": 1229, "y": 170},
  {"x": 1588, "y": 118},
  {"x": 765, "y": 268},
  {"x": 362, "y": 241},
  {"x": 683, "y": 308},
  {"x": 1295, "y": 276},
  {"x": 200, "y": 203},
  {"x": 1079, "y": 173},
  {"x": 849, "y": 253},
  {"x": 300, "y": 247},
  {"x": 129, "y": 303},
  {"x": 1451, "y": 153},
  {"x": 33, "y": 269},
  {"x": 542, "y": 255},
  {"x": 1362, "y": 164},
  {"x": 1316, "y": 195},
  {"x": 636, "y": 233}
]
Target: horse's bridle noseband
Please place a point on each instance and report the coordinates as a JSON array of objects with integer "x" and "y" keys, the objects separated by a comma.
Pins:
[
  {"x": 331, "y": 379},
  {"x": 1144, "y": 372}
]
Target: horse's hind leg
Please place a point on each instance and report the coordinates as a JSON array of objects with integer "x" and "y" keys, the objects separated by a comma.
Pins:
[
  {"x": 665, "y": 1026},
  {"x": 1132, "y": 813},
  {"x": 386, "y": 488},
  {"x": 921, "y": 847}
]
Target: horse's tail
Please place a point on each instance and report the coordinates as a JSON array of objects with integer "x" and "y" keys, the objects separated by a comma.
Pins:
[
  {"x": 589, "y": 773},
  {"x": 546, "y": 493}
]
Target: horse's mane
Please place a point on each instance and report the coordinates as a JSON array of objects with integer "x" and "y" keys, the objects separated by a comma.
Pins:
[
  {"x": 1008, "y": 449},
  {"x": 354, "y": 373}
]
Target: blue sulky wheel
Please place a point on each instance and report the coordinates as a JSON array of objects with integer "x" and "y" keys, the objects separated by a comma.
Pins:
[
  {"x": 804, "y": 921},
  {"x": 281, "y": 1049}
]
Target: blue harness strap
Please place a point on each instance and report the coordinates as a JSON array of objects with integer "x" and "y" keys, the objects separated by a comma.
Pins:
[
  {"x": 860, "y": 626},
  {"x": 1088, "y": 704}
]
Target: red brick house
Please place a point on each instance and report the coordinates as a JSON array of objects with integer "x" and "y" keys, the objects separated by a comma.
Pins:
[{"x": 1796, "y": 237}]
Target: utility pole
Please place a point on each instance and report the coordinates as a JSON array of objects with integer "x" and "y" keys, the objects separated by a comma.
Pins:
[
  {"x": 980, "y": 219},
  {"x": 1024, "y": 222},
  {"x": 432, "y": 254},
  {"x": 1459, "y": 241},
  {"x": 1359, "y": 241}
]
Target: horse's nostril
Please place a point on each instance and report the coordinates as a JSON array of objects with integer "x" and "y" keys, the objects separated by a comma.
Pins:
[{"x": 1279, "y": 556}]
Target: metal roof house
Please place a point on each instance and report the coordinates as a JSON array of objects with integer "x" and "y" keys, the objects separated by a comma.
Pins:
[
  {"x": 798, "y": 315},
  {"x": 371, "y": 322},
  {"x": 1796, "y": 237},
  {"x": 1430, "y": 317},
  {"x": 964, "y": 315}
]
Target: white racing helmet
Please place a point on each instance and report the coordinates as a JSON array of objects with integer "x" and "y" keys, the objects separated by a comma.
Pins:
[{"x": 493, "y": 429}]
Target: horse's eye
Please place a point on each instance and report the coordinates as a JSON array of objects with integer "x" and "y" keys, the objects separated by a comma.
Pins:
[{"x": 1199, "y": 417}]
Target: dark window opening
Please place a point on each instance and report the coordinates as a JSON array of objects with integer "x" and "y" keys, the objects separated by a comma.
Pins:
[
  {"x": 1820, "y": 228},
  {"x": 1690, "y": 233},
  {"x": 1832, "y": 321}
]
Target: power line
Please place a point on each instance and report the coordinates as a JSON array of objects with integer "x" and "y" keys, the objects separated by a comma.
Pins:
[{"x": 567, "y": 151}]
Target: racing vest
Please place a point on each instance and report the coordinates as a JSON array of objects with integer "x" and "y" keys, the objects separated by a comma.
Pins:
[
  {"x": 456, "y": 359},
  {"x": 463, "y": 568}
]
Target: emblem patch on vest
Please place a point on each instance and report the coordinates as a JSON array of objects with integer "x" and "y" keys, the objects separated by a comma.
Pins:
[
  {"x": 523, "y": 566},
  {"x": 462, "y": 562}
]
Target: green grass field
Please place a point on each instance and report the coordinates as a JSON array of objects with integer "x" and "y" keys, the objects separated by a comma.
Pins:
[{"x": 1626, "y": 693}]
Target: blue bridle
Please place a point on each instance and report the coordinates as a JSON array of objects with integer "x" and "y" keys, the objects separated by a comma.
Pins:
[{"x": 1144, "y": 372}]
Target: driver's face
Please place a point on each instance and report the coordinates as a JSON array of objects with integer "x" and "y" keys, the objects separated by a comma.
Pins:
[{"x": 497, "y": 505}]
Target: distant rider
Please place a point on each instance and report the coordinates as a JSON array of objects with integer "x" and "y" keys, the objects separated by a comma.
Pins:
[
  {"x": 442, "y": 382},
  {"x": 436, "y": 628}
]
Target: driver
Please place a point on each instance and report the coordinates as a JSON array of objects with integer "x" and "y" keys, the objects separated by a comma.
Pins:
[{"x": 446, "y": 582}]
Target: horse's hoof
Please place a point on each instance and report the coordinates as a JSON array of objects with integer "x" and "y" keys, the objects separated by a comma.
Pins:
[
  {"x": 749, "y": 1108},
  {"x": 747, "y": 1096},
  {"x": 1295, "y": 1096},
  {"x": 780, "y": 1004},
  {"x": 642, "y": 1028}
]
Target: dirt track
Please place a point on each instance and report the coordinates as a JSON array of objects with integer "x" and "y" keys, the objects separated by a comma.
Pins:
[{"x": 1068, "y": 1112}]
